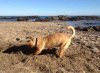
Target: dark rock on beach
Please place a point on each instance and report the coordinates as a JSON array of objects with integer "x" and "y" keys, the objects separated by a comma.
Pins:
[{"x": 90, "y": 28}]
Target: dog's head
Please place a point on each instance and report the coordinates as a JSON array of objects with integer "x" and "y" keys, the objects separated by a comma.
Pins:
[{"x": 31, "y": 42}]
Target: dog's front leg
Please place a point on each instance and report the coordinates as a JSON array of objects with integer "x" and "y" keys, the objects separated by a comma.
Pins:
[{"x": 38, "y": 51}]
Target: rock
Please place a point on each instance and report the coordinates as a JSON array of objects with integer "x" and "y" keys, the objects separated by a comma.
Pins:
[
  {"x": 22, "y": 19},
  {"x": 91, "y": 28},
  {"x": 97, "y": 28},
  {"x": 81, "y": 28}
]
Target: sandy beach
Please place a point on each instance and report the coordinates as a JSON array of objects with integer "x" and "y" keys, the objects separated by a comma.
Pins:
[{"x": 83, "y": 55}]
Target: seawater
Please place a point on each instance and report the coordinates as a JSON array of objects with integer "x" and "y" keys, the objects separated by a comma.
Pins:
[
  {"x": 84, "y": 23},
  {"x": 8, "y": 20}
]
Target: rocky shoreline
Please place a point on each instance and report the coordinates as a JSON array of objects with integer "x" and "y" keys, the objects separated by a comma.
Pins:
[
  {"x": 83, "y": 55},
  {"x": 50, "y": 18}
]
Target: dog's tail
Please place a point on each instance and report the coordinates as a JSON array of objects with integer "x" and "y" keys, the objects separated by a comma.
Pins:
[{"x": 73, "y": 30}]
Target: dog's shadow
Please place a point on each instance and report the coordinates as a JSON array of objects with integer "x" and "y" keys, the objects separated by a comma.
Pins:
[
  {"x": 23, "y": 48},
  {"x": 27, "y": 50},
  {"x": 48, "y": 51}
]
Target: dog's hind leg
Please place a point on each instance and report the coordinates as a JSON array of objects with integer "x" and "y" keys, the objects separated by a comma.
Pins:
[
  {"x": 61, "y": 53},
  {"x": 63, "y": 49}
]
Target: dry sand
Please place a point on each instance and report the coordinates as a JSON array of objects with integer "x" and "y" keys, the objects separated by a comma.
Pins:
[{"x": 83, "y": 55}]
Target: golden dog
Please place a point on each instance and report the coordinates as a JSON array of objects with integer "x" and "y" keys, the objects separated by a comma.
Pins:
[{"x": 54, "y": 40}]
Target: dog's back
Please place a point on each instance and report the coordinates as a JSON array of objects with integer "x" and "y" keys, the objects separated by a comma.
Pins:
[
  {"x": 55, "y": 40},
  {"x": 58, "y": 39}
]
